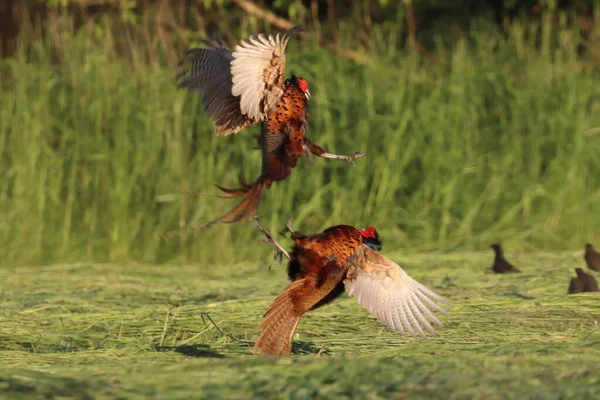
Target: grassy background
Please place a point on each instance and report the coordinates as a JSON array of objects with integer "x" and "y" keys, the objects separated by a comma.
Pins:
[
  {"x": 115, "y": 330},
  {"x": 495, "y": 139}
]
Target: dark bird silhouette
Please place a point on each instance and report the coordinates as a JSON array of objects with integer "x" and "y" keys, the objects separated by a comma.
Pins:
[
  {"x": 583, "y": 283},
  {"x": 247, "y": 86},
  {"x": 342, "y": 258},
  {"x": 501, "y": 266},
  {"x": 592, "y": 257}
]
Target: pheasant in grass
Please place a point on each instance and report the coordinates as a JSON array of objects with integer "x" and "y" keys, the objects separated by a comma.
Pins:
[
  {"x": 592, "y": 258},
  {"x": 342, "y": 258},
  {"x": 247, "y": 86},
  {"x": 583, "y": 283},
  {"x": 500, "y": 265}
]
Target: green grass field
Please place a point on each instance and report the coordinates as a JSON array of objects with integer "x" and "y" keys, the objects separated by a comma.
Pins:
[
  {"x": 495, "y": 137},
  {"x": 115, "y": 331}
]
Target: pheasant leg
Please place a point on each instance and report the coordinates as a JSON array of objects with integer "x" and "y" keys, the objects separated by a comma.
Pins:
[
  {"x": 270, "y": 239},
  {"x": 312, "y": 148},
  {"x": 349, "y": 159},
  {"x": 288, "y": 227}
]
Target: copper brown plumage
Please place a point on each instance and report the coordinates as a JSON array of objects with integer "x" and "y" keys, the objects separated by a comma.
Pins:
[
  {"x": 592, "y": 257},
  {"x": 341, "y": 258},
  {"x": 245, "y": 87}
]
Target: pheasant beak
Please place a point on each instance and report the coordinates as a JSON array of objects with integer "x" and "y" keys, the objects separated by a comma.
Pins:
[{"x": 307, "y": 94}]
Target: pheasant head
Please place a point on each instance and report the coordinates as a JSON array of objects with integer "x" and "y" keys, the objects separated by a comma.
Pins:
[
  {"x": 300, "y": 83},
  {"x": 371, "y": 238}
]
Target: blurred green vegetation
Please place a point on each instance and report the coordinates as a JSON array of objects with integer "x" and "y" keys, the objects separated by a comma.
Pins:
[
  {"x": 137, "y": 331},
  {"x": 484, "y": 134}
]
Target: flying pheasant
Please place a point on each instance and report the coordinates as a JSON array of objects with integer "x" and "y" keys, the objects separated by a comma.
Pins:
[
  {"x": 583, "y": 283},
  {"x": 592, "y": 257},
  {"x": 342, "y": 258},
  {"x": 247, "y": 86},
  {"x": 500, "y": 265}
]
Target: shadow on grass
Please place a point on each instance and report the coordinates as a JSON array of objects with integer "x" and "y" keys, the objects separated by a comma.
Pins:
[
  {"x": 192, "y": 350},
  {"x": 299, "y": 347},
  {"x": 519, "y": 295}
]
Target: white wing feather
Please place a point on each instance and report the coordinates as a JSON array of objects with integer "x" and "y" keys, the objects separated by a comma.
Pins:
[
  {"x": 385, "y": 290},
  {"x": 258, "y": 64},
  {"x": 239, "y": 88}
]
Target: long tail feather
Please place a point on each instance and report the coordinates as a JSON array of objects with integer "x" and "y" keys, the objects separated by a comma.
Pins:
[
  {"x": 220, "y": 196},
  {"x": 245, "y": 209},
  {"x": 279, "y": 324},
  {"x": 230, "y": 193},
  {"x": 241, "y": 192}
]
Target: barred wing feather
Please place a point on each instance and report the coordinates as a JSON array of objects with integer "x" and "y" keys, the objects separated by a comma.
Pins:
[{"x": 209, "y": 73}]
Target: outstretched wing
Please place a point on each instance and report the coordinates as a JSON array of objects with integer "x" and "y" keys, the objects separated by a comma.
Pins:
[
  {"x": 210, "y": 74},
  {"x": 385, "y": 290},
  {"x": 258, "y": 69},
  {"x": 239, "y": 88}
]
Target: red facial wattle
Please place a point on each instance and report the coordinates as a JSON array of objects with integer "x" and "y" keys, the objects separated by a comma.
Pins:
[
  {"x": 369, "y": 233},
  {"x": 303, "y": 84}
]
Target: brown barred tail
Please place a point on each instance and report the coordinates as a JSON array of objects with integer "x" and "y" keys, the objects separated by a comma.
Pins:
[{"x": 279, "y": 324}]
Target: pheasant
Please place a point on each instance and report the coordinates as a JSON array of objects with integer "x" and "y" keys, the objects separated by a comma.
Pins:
[
  {"x": 583, "y": 283},
  {"x": 592, "y": 257},
  {"x": 342, "y": 258},
  {"x": 247, "y": 86},
  {"x": 500, "y": 265}
]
